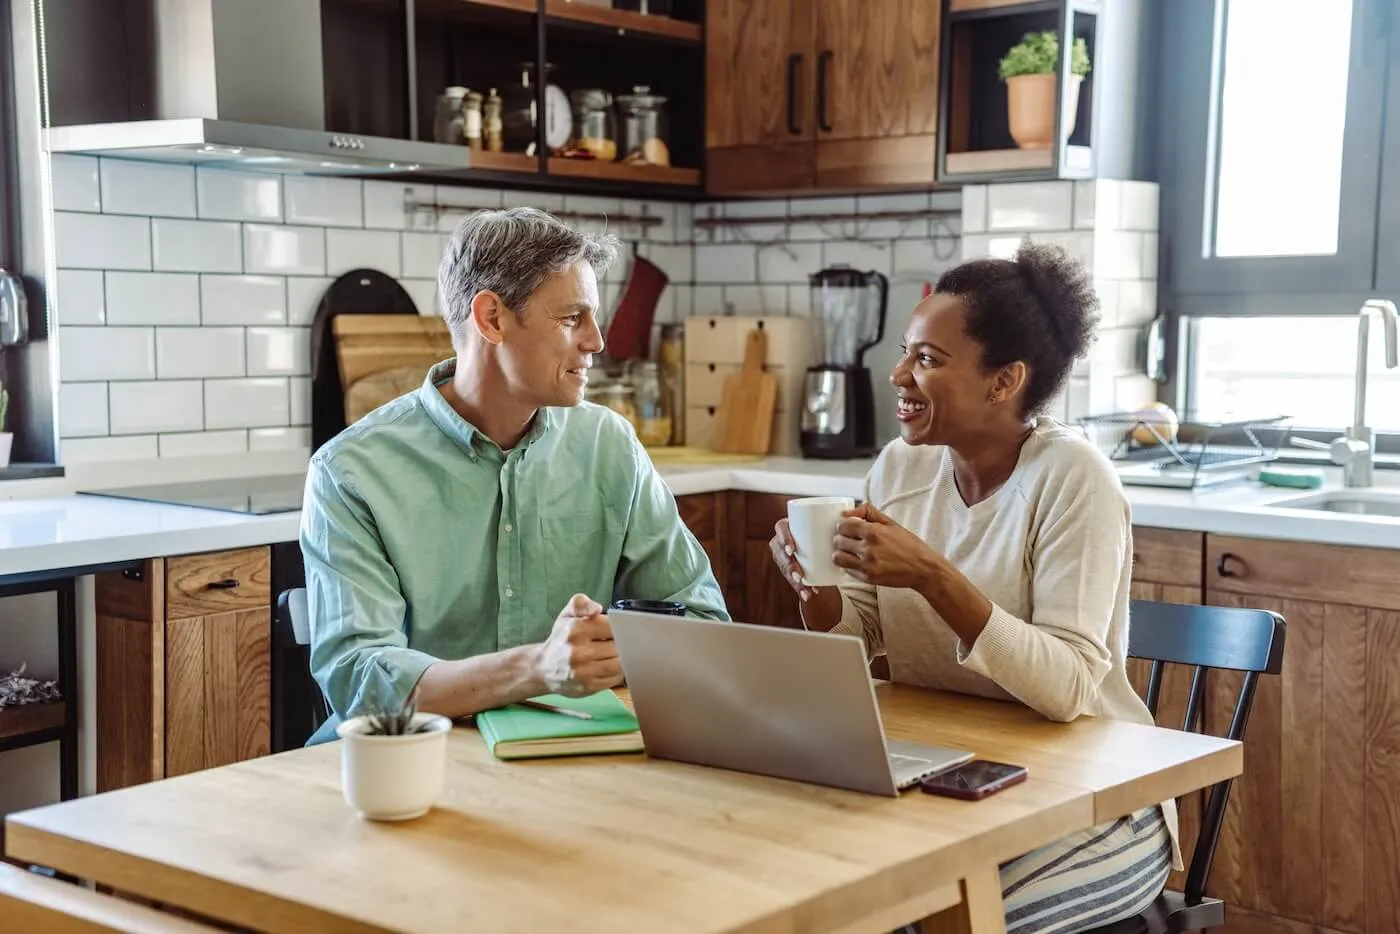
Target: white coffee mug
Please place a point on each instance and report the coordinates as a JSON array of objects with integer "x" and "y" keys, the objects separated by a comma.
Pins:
[{"x": 812, "y": 522}]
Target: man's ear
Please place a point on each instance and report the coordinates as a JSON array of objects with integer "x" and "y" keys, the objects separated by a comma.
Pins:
[{"x": 487, "y": 311}]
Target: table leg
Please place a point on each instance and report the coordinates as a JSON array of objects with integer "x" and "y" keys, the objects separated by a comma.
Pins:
[{"x": 981, "y": 910}]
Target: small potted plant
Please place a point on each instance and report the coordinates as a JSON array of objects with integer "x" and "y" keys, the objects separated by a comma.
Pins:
[
  {"x": 7, "y": 438},
  {"x": 1030, "y": 70},
  {"x": 393, "y": 761}
]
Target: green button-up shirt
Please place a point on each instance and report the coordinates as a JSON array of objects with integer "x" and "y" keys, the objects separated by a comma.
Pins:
[{"x": 423, "y": 540}]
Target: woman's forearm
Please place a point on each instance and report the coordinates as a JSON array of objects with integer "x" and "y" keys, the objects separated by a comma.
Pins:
[
  {"x": 822, "y": 610},
  {"x": 957, "y": 601}
]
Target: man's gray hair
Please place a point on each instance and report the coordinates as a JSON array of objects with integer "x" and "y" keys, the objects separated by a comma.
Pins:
[{"x": 511, "y": 253}]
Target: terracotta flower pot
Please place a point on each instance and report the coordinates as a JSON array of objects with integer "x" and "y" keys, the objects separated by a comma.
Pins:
[{"x": 1030, "y": 108}]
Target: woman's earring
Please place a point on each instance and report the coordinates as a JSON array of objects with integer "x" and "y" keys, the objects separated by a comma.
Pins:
[{"x": 992, "y": 398}]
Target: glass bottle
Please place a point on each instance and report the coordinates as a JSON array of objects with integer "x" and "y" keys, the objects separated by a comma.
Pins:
[
  {"x": 653, "y": 423},
  {"x": 671, "y": 354},
  {"x": 491, "y": 127}
]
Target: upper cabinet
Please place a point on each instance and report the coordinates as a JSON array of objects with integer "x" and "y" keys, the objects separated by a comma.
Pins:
[{"x": 808, "y": 95}]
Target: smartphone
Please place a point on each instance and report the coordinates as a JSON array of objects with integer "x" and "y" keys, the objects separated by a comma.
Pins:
[{"x": 973, "y": 780}]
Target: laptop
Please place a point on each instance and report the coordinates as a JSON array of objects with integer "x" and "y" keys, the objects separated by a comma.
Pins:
[{"x": 787, "y": 703}]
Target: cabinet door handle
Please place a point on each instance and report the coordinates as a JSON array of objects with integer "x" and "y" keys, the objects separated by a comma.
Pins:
[
  {"x": 794, "y": 63},
  {"x": 823, "y": 65},
  {"x": 1222, "y": 567},
  {"x": 228, "y": 583}
]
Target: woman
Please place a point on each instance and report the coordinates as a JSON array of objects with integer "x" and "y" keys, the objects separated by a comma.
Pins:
[{"x": 993, "y": 551}]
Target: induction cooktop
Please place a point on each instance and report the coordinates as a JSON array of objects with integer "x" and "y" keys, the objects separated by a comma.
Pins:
[{"x": 250, "y": 495}]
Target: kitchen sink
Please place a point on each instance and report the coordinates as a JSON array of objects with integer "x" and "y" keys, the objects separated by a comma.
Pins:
[{"x": 1349, "y": 502}]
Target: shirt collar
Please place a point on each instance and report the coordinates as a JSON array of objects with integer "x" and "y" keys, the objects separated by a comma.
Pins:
[{"x": 466, "y": 435}]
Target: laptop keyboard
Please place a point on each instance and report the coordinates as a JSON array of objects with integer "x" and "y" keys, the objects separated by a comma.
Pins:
[{"x": 904, "y": 762}]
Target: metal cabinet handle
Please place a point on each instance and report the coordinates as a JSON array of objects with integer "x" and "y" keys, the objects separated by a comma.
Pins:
[
  {"x": 1222, "y": 567},
  {"x": 228, "y": 583},
  {"x": 823, "y": 65},
  {"x": 794, "y": 63}
]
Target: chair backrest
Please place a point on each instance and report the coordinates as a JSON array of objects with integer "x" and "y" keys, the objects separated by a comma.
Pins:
[
  {"x": 30, "y": 902},
  {"x": 292, "y": 626},
  {"x": 1204, "y": 638}
]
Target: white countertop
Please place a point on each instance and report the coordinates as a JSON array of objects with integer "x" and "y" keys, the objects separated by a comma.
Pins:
[{"x": 57, "y": 529}]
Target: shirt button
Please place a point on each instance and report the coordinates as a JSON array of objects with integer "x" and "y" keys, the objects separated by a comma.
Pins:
[
  {"x": 509, "y": 592},
  {"x": 509, "y": 527}
]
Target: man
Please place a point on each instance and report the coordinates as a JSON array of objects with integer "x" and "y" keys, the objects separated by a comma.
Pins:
[{"x": 465, "y": 538}]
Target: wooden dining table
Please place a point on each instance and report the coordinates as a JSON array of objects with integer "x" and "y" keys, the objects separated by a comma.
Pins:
[{"x": 618, "y": 843}]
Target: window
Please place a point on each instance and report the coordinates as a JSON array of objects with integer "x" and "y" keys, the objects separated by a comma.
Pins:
[
  {"x": 1302, "y": 367},
  {"x": 1282, "y": 126}
]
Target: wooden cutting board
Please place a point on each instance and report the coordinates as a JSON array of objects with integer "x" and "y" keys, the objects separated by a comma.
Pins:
[
  {"x": 384, "y": 356},
  {"x": 744, "y": 423},
  {"x": 367, "y": 394}
]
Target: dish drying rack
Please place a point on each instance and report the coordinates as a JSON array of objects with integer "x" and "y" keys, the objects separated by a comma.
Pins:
[{"x": 1203, "y": 453}]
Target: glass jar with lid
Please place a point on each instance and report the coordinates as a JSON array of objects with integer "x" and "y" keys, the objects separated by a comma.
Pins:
[
  {"x": 616, "y": 395},
  {"x": 594, "y": 127},
  {"x": 643, "y": 126},
  {"x": 653, "y": 422},
  {"x": 449, "y": 117}
]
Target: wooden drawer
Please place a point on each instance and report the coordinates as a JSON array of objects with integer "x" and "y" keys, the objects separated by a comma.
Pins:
[
  {"x": 217, "y": 581},
  {"x": 1167, "y": 556},
  {"x": 1344, "y": 574},
  {"x": 722, "y": 339}
]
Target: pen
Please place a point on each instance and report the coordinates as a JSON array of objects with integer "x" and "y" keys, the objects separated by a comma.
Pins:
[{"x": 568, "y": 712}]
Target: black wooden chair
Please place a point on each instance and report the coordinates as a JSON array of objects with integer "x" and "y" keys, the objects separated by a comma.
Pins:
[
  {"x": 302, "y": 708},
  {"x": 1203, "y": 637}
]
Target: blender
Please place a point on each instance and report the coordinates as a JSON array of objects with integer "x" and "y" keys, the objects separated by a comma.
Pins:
[{"x": 838, "y": 414}]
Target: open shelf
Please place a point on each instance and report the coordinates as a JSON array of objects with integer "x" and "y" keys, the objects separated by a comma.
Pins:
[
  {"x": 518, "y": 6},
  {"x": 624, "y": 21},
  {"x": 505, "y": 162},
  {"x": 624, "y": 172},
  {"x": 965, "y": 8},
  {"x": 31, "y": 719}
]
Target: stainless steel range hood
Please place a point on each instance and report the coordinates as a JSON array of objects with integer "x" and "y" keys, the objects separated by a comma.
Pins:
[{"x": 235, "y": 83}]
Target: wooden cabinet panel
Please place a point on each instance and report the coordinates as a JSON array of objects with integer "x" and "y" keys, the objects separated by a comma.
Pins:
[
  {"x": 700, "y": 513},
  {"x": 877, "y": 69},
  {"x": 1168, "y": 556},
  {"x": 218, "y": 678},
  {"x": 769, "y": 600},
  {"x": 218, "y": 581},
  {"x": 867, "y": 164},
  {"x": 1343, "y": 574},
  {"x": 774, "y": 169},
  {"x": 130, "y": 675},
  {"x": 758, "y": 68}
]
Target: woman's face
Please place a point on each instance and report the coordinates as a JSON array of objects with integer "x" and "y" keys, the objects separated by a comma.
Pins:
[{"x": 943, "y": 392}]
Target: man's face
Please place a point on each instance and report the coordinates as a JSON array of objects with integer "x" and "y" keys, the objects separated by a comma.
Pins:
[{"x": 549, "y": 344}]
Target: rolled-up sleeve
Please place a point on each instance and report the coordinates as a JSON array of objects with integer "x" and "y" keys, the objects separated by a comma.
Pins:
[
  {"x": 359, "y": 652},
  {"x": 661, "y": 558}
]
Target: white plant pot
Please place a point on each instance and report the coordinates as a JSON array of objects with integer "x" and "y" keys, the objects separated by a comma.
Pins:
[
  {"x": 7, "y": 440},
  {"x": 393, "y": 777}
]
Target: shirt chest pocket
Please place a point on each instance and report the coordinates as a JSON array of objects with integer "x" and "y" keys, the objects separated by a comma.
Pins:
[{"x": 582, "y": 548}]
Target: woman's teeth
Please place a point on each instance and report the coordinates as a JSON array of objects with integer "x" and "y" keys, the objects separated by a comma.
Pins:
[{"x": 909, "y": 406}]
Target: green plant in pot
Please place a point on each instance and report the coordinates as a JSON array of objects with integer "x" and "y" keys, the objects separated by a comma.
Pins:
[
  {"x": 1031, "y": 71},
  {"x": 6, "y": 438},
  {"x": 393, "y": 759}
]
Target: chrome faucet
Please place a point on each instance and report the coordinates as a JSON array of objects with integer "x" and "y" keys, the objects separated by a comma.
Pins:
[{"x": 1355, "y": 452}]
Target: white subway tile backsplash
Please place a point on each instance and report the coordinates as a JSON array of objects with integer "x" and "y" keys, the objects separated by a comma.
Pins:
[
  {"x": 245, "y": 403},
  {"x": 362, "y": 249},
  {"x": 763, "y": 300},
  {"x": 926, "y": 257},
  {"x": 424, "y": 295},
  {"x": 800, "y": 301},
  {"x": 196, "y": 246},
  {"x": 147, "y": 408},
  {"x": 1079, "y": 244},
  {"x": 526, "y": 199},
  {"x": 75, "y": 183},
  {"x": 80, "y": 297},
  {"x": 101, "y": 241},
  {"x": 243, "y": 299},
  {"x": 1118, "y": 254},
  {"x": 82, "y": 410},
  {"x": 422, "y": 252},
  {"x": 892, "y": 229},
  {"x": 1030, "y": 206},
  {"x": 300, "y": 389},
  {"x": 152, "y": 298},
  {"x": 707, "y": 300},
  {"x": 998, "y": 246},
  {"x": 90, "y": 354},
  {"x": 304, "y": 297},
  {"x": 204, "y": 443},
  {"x": 385, "y": 206},
  {"x": 150, "y": 188},
  {"x": 238, "y": 196},
  {"x": 664, "y": 232},
  {"x": 194, "y": 353},
  {"x": 1138, "y": 207},
  {"x": 607, "y": 210},
  {"x": 1149, "y": 256},
  {"x": 825, "y": 230},
  {"x": 279, "y": 439},
  {"x": 288, "y": 251},
  {"x": 737, "y": 263},
  {"x": 98, "y": 450},
  {"x": 473, "y": 198},
  {"x": 279, "y": 351},
  {"x": 974, "y": 209},
  {"x": 1137, "y": 302},
  {"x": 788, "y": 262},
  {"x": 858, "y": 255},
  {"x": 677, "y": 262},
  {"x": 323, "y": 202}
]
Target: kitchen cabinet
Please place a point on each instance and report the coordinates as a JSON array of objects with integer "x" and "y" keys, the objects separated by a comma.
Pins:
[
  {"x": 1312, "y": 833},
  {"x": 820, "y": 95},
  {"x": 183, "y": 665}
]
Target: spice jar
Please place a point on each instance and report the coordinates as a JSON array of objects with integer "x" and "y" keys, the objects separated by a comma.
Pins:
[
  {"x": 472, "y": 119},
  {"x": 491, "y": 127},
  {"x": 448, "y": 118},
  {"x": 643, "y": 127},
  {"x": 593, "y": 123},
  {"x": 617, "y": 396},
  {"x": 653, "y": 422}
]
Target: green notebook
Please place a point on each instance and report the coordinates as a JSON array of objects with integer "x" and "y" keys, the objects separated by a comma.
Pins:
[{"x": 517, "y": 732}]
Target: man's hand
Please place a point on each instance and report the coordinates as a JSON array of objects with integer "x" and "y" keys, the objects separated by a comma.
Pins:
[
  {"x": 579, "y": 657},
  {"x": 877, "y": 550}
]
